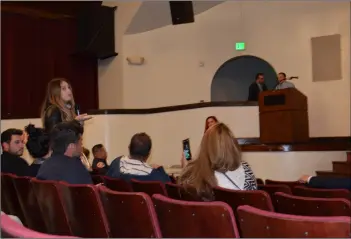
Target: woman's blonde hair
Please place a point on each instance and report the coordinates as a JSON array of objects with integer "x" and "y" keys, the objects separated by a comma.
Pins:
[
  {"x": 219, "y": 151},
  {"x": 53, "y": 97}
]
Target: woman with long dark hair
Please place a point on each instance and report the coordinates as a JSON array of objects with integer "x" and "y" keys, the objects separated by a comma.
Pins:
[{"x": 59, "y": 105}]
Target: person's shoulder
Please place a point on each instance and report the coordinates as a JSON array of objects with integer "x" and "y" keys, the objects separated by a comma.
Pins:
[
  {"x": 52, "y": 110},
  {"x": 245, "y": 164},
  {"x": 253, "y": 84},
  {"x": 159, "y": 174}
]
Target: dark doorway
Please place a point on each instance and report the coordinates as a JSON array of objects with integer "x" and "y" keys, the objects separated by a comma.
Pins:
[{"x": 233, "y": 78}]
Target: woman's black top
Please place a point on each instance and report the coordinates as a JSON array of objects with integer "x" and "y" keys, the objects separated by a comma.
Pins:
[{"x": 52, "y": 117}]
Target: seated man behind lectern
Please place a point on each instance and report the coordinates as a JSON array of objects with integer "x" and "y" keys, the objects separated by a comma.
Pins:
[{"x": 283, "y": 83}]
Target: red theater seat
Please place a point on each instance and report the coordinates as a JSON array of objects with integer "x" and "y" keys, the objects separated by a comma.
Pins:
[
  {"x": 12, "y": 229},
  {"x": 256, "y": 223},
  {"x": 322, "y": 193},
  {"x": 181, "y": 219},
  {"x": 84, "y": 210},
  {"x": 235, "y": 198},
  {"x": 304, "y": 206},
  {"x": 117, "y": 184},
  {"x": 9, "y": 194},
  {"x": 51, "y": 206},
  {"x": 129, "y": 215},
  {"x": 29, "y": 204},
  {"x": 149, "y": 187}
]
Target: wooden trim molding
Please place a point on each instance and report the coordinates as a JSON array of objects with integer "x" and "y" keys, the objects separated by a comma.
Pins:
[
  {"x": 315, "y": 144},
  {"x": 172, "y": 108}
]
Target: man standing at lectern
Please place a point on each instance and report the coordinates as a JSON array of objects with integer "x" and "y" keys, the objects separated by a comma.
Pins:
[
  {"x": 256, "y": 87},
  {"x": 283, "y": 83}
]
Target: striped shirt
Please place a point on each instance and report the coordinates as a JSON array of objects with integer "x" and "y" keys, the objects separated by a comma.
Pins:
[
  {"x": 284, "y": 85},
  {"x": 134, "y": 166}
]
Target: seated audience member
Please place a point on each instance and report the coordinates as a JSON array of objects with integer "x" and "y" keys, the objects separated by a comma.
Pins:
[
  {"x": 218, "y": 164},
  {"x": 12, "y": 150},
  {"x": 38, "y": 146},
  {"x": 326, "y": 182},
  {"x": 135, "y": 166},
  {"x": 210, "y": 121},
  {"x": 99, "y": 162},
  {"x": 84, "y": 157},
  {"x": 64, "y": 163}
]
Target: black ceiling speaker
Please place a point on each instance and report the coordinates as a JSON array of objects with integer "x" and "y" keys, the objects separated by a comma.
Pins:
[
  {"x": 182, "y": 12},
  {"x": 96, "y": 32}
]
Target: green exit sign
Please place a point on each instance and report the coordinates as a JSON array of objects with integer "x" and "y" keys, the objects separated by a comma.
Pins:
[{"x": 240, "y": 46}]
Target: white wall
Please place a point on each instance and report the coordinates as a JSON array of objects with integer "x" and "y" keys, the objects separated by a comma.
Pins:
[
  {"x": 110, "y": 72},
  {"x": 167, "y": 131},
  {"x": 277, "y": 31}
]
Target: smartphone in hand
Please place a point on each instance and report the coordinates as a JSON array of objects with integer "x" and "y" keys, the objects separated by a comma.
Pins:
[{"x": 186, "y": 149}]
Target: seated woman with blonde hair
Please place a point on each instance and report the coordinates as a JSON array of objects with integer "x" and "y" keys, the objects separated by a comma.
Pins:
[{"x": 218, "y": 163}]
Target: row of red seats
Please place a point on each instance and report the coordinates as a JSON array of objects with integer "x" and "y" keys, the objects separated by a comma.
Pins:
[
  {"x": 339, "y": 205},
  {"x": 90, "y": 212}
]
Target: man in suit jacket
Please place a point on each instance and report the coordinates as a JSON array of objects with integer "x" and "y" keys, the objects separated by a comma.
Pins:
[
  {"x": 326, "y": 182},
  {"x": 256, "y": 87}
]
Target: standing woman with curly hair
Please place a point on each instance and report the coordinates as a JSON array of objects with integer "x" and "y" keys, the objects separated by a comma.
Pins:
[{"x": 59, "y": 105}]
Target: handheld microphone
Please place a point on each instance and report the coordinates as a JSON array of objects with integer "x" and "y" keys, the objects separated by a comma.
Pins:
[
  {"x": 77, "y": 109},
  {"x": 293, "y": 77}
]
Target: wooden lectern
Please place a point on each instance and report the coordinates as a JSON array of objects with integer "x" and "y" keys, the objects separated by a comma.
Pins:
[{"x": 283, "y": 116}]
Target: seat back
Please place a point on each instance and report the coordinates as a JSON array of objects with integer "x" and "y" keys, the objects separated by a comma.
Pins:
[
  {"x": 129, "y": 215},
  {"x": 117, "y": 184},
  {"x": 12, "y": 229},
  {"x": 97, "y": 179},
  {"x": 190, "y": 194},
  {"x": 149, "y": 187},
  {"x": 321, "y": 193},
  {"x": 51, "y": 206},
  {"x": 304, "y": 206},
  {"x": 259, "y": 181},
  {"x": 291, "y": 184},
  {"x": 274, "y": 225},
  {"x": 84, "y": 210},
  {"x": 5, "y": 207},
  {"x": 173, "y": 179},
  {"x": 235, "y": 198},
  {"x": 272, "y": 189},
  {"x": 180, "y": 219},
  {"x": 9, "y": 194},
  {"x": 173, "y": 190},
  {"x": 29, "y": 204}
]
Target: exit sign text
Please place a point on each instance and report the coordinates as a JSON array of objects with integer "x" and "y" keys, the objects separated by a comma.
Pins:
[{"x": 240, "y": 46}]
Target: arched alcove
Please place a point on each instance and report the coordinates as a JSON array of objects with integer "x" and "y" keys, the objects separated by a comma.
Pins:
[{"x": 232, "y": 79}]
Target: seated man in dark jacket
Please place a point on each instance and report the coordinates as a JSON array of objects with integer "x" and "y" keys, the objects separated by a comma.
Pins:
[
  {"x": 135, "y": 166},
  {"x": 64, "y": 163},
  {"x": 12, "y": 149},
  {"x": 100, "y": 165},
  {"x": 326, "y": 182}
]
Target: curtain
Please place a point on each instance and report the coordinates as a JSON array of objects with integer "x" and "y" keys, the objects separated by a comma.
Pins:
[{"x": 35, "y": 50}]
